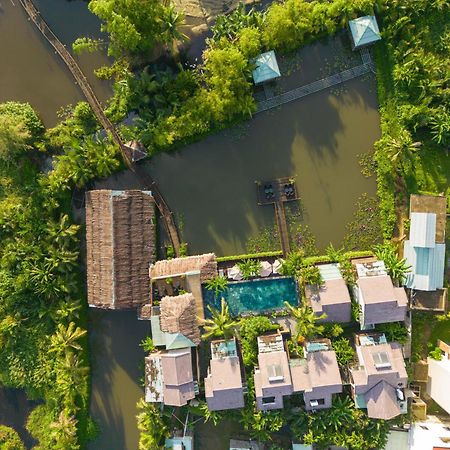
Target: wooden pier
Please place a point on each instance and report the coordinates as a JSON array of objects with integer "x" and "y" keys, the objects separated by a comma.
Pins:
[
  {"x": 127, "y": 151},
  {"x": 319, "y": 85},
  {"x": 278, "y": 192}
]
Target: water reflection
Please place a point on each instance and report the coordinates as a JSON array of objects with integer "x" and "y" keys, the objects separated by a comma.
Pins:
[
  {"x": 117, "y": 368},
  {"x": 30, "y": 70}
]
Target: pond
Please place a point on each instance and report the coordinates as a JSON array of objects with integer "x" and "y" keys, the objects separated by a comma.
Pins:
[{"x": 31, "y": 72}]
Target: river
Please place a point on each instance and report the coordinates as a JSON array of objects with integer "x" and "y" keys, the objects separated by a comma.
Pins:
[
  {"x": 209, "y": 185},
  {"x": 31, "y": 72}
]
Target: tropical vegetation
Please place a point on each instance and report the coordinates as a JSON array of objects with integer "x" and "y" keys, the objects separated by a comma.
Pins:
[{"x": 220, "y": 325}]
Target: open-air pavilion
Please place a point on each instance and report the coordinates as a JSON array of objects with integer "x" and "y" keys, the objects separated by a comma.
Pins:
[
  {"x": 364, "y": 31},
  {"x": 266, "y": 68}
]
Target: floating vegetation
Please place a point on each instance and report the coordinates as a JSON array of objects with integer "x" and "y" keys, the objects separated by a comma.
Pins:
[{"x": 364, "y": 231}]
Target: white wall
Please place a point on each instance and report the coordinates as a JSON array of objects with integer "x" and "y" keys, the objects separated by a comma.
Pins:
[
  {"x": 439, "y": 381},
  {"x": 426, "y": 439}
]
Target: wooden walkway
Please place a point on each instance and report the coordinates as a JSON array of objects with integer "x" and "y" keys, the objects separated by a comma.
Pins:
[
  {"x": 282, "y": 227},
  {"x": 91, "y": 98},
  {"x": 319, "y": 85}
]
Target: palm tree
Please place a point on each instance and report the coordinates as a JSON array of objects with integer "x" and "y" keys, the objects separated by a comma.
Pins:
[
  {"x": 293, "y": 263},
  {"x": 64, "y": 430},
  {"x": 172, "y": 21},
  {"x": 402, "y": 147},
  {"x": 249, "y": 268},
  {"x": 306, "y": 318},
  {"x": 397, "y": 268},
  {"x": 221, "y": 324},
  {"x": 310, "y": 275},
  {"x": 66, "y": 338},
  {"x": 217, "y": 284},
  {"x": 335, "y": 254}
]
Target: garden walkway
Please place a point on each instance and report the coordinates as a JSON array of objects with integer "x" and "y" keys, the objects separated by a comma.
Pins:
[{"x": 319, "y": 85}]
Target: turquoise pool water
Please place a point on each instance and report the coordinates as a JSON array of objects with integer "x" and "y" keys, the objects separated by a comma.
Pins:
[{"x": 254, "y": 296}]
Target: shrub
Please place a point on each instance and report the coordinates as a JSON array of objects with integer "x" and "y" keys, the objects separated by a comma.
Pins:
[
  {"x": 9, "y": 439},
  {"x": 394, "y": 331},
  {"x": 345, "y": 353}
]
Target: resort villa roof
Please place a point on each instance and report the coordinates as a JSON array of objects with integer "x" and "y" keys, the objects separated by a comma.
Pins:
[
  {"x": 174, "y": 323},
  {"x": 169, "y": 377},
  {"x": 266, "y": 68},
  {"x": 380, "y": 377},
  {"x": 332, "y": 297},
  {"x": 364, "y": 31},
  {"x": 120, "y": 241},
  {"x": 317, "y": 375},
  {"x": 380, "y": 301},
  {"x": 204, "y": 265},
  {"x": 190, "y": 272},
  {"x": 425, "y": 249},
  {"x": 223, "y": 385},
  {"x": 272, "y": 377}
]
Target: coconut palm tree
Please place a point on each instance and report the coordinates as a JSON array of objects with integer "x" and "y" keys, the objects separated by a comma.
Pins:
[
  {"x": 221, "y": 323},
  {"x": 335, "y": 254},
  {"x": 172, "y": 21},
  {"x": 306, "y": 318},
  {"x": 66, "y": 338},
  {"x": 397, "y": 268},
  {"x": 64, "y": 430},
  {"x": 249, "y": 268},
  {"x": 217, "y": 284}
]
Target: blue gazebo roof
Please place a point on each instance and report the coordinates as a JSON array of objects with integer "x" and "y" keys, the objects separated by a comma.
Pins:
[
  {"x": 266, "y": 68},
  {"x": 364, "y": 31}
]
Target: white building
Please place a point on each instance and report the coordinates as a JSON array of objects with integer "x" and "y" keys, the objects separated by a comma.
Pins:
[
  {"x": 430, "y": 435},
  {"x": 439, "y": 378}
]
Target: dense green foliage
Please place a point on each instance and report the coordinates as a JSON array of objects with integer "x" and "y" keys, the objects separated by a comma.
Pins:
[
  {"x": 249, "y": 268},
  {"x": 345, "y": 353},
  {"x": 397, "y": 268},
  {"x": 341, "y": 425},
  {"x": 152, "y": 427},
  {"x": 9, "y": 439},
  {"x": 250, "y": 256},
  {"x": 42, "y": 312},
  {"x": 412, "y": 73},
  {"x": 217, "y": 284},
  {"x": 249, "y": 329}
]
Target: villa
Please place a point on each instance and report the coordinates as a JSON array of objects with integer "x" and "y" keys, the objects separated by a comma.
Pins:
[
  {"x": 332, "y": 297},
  {"x": 379, "y": 300},
  {"x": 169, "y": 372},
  {"x": 224, "y": 388},
  {"x": 317, "y": 375},
  {"x": 173, "y": 276},
  {"x": 425, "y": 249},
  {"x": 169, "y": 378},
  {"x": 379, "y": 380},
  {"x": 120, "y": 241},
  {"x": 174, "y": 323},
  {"x": 272, "y": 376}
]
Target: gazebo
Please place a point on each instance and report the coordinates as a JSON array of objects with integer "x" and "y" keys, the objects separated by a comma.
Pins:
[
  {"x": 364, "y": 31},
  {"x": 266, "y": 68}
]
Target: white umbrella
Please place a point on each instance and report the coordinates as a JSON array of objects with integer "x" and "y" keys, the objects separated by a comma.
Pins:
[
  {"x": 266, "y": 269},
  {"x": 235, "y": 273},
  {"x": 277, "y": 265}
]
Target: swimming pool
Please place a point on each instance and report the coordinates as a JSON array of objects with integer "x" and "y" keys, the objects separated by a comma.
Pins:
[{"x": 254, "y": 296}]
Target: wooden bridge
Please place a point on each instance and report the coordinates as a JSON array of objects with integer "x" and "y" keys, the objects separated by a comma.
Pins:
[
  {"x": 278, "y": 192},
  {"x": 319, "y": 85},
  {"x": 91, "y": 98}
]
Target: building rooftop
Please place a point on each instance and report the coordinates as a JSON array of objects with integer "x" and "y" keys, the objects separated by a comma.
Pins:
[
  {"x": 364, "y": 31},
  {"x": 205, "y": 265},
  {"x": 380, "y": 289},
  {"x": 435, "y": 204},
  {"x": 270, "y": 343},
  {"x": 422, "y": 232},
  {"x": 266, "y": 68},
  {"x": 120, "y": 246},
  {"x": 169, "y": 377},
  {"x": 178, "y": 316}
]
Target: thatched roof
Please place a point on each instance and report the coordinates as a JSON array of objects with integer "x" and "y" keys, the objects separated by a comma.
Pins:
[
  {"x": 205, "y": 264},
  {"x": 178, "y": 315},
  {"x": 120, "y": 238}
]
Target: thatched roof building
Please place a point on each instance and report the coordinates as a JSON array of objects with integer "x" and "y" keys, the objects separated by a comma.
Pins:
[
  {"x": 205, "y": 265},
  {"x": 120, "y": 238},
  {"x": 178, "y": 315}
]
